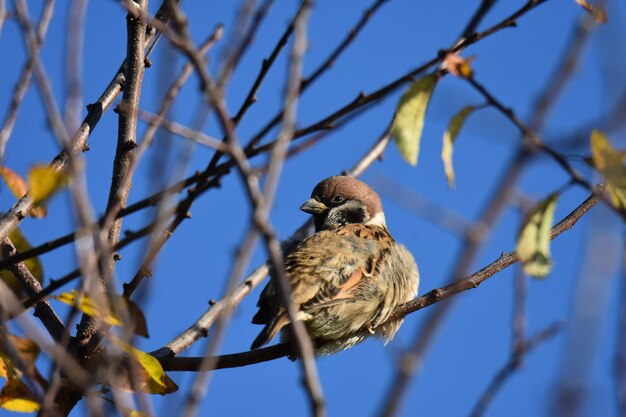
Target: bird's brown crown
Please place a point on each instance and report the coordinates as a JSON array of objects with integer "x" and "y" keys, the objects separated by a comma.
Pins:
[{"x": 350, "y": 189}]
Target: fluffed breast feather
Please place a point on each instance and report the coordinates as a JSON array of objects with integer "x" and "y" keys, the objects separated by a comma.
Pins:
[{"x": 345, "y": 283}]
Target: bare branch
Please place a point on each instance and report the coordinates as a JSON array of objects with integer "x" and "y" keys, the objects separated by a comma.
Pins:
[
  {"x": 511, "y": 366},
  {"x": 43, "y": 310},
  {"x": 126, "y": 143}
]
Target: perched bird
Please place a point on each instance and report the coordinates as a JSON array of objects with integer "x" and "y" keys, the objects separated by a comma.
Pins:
[{"x": 347, "y": 277}]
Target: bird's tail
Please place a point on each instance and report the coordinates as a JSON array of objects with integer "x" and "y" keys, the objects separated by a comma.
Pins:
[{"x": 270, "y": 330}]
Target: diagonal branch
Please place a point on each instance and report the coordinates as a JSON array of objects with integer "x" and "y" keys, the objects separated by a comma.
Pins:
[{"x": 432, "y": 297}]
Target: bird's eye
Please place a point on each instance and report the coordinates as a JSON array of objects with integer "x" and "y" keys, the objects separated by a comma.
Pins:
[{"x": 338, "y": 199}]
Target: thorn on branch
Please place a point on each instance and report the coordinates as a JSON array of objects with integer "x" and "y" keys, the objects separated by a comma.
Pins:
[
  {"x": 117, "y": 257},
  {"x": 85, "y": 148},
  {"x": 147, "y": 63},
  {"x": 212, "y": 302}
]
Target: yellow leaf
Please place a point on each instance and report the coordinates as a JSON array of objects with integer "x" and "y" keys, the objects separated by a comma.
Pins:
[
  {"x": 154, "y": 379},
  {"x": 610, "y": 163},
  {"x": 15, "y": 396},
  {"x": 18, "y": 187},
  {"x": 533, "y": 241},
  {"x": 129, "y": 412},
  {"x": 597, "y": 12},
  {"x": 448, "y": 140},
  {"x": 409, "y": 120},
  {"x": 114, "y": 314},
  {"x": 33, "y": 264},
  {"x": 27, "y": 350},
  {"x": 45, "y": 181},
  {"x": 87, "y": 306}
]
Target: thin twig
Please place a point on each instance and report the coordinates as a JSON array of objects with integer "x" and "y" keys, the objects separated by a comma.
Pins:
[
  {"x": 43, "y": 82},
  {"x": 363, "y": 99},
  {"x": 183, "y": 131},
  {"x": 73, "y": 63},
  {"x": 233, "y": 59},
  {"x": 25, "y": 76},
  {"x": 323, "y": 67},
  {"x": 479, "y": 15},
  {"x": 512, "y": 366},
  {"x": 529, "y": 135}
]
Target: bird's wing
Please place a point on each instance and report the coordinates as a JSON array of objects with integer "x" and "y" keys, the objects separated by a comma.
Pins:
[{"x": 329, "y": 267}]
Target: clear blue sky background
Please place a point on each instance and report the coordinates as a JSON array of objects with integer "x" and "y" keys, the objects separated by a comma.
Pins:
[{"x": 474, "y": 342}]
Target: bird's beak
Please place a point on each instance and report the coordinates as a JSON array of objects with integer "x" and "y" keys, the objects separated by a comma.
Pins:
[{"x": 312, "y": 206}]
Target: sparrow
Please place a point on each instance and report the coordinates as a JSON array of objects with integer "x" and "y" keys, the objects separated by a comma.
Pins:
[{"x": 347, "y": 277}]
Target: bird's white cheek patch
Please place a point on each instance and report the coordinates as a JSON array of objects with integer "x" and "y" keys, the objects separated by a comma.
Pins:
[{"x": 377, "y": 220}]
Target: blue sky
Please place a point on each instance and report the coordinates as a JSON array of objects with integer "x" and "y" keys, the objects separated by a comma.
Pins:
[{"x": 474, "y": 341}]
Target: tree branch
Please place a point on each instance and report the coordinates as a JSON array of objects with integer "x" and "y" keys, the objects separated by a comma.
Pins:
[{"x": 432, "y": 297}]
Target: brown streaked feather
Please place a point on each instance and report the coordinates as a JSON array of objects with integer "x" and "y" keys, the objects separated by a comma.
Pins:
[
  {"x": 332, "y": 295},
  {"x": 334, "y": 274}
]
